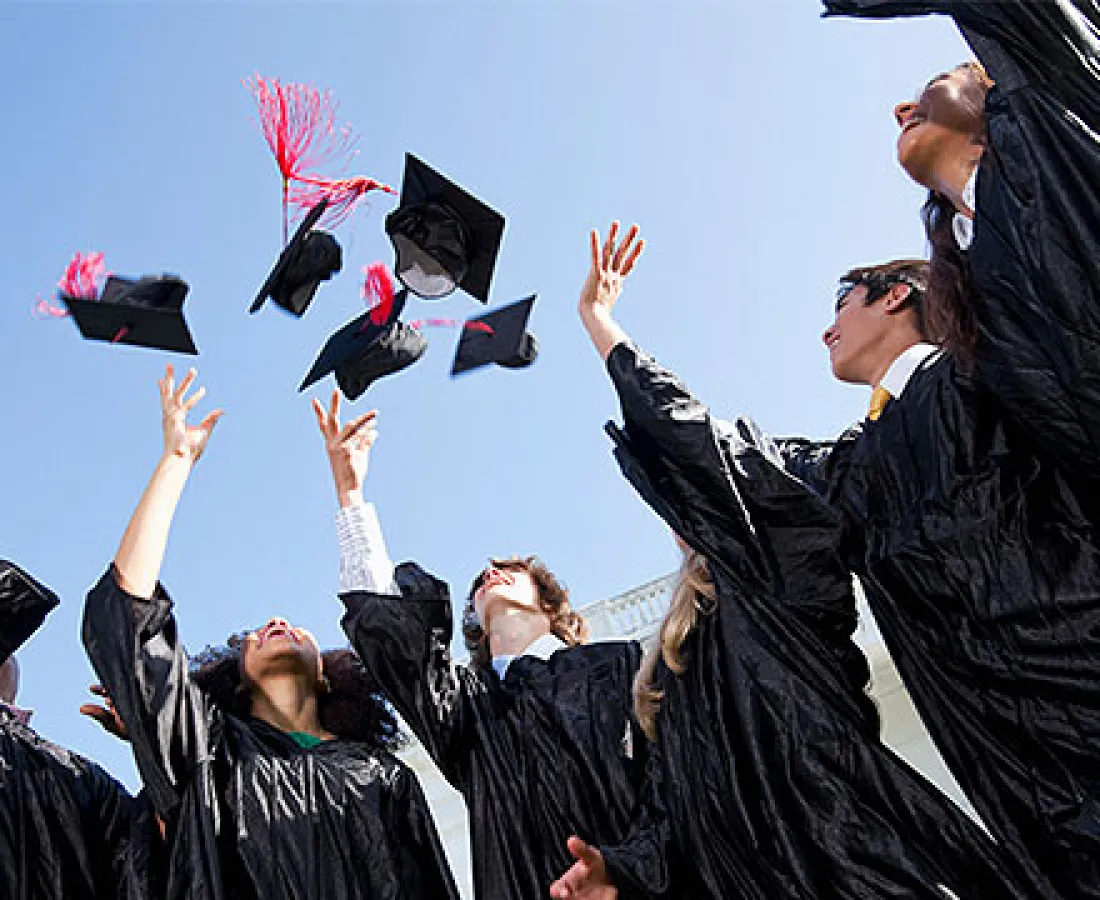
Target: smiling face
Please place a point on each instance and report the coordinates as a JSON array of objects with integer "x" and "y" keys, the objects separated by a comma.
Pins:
[
  {"x": 946, "y": 119},
  {"x": 279, "y": 649},
  {"x": 855, "y": 334}
]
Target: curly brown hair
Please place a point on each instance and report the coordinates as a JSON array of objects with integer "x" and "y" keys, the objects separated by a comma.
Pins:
[
  {"x": 566, "y": 624},
  {"x": 351, "y": 708}
]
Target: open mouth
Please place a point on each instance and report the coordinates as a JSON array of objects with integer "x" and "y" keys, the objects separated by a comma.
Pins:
[{"x": 272, "y": 632}]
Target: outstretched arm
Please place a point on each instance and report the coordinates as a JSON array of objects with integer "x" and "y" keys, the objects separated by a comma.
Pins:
[
  {"x": 129, "y": 630},
  {"x": 365, "y": 563},
  {"x": 141, "y": 553}
]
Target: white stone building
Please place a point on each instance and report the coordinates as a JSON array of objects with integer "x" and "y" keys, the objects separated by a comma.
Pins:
[{"x": 637, "y": 614}]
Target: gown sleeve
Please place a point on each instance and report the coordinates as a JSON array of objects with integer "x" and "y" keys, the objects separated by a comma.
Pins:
[
  {"x": 1035, "y": 259},
  {"x": 644, "y": 865},
  {"x": 113, "y": 813},
  {"x": 404, "y": 643},
  {"x": 729, "y": 488},
  {"x": 135, "y": 650}
]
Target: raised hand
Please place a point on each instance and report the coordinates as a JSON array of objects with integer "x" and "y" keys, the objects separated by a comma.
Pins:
[
  {"x": 106, "y": 715},
  {"x": 610, "y": 266},
  {"x": 348, "y": 447},
  {"x": 587, "y": 879},
  {"x": 180, "y": 439}
]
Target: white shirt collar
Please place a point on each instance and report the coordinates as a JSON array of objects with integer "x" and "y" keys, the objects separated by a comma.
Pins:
[
  {"x": 902, "y": 368},
  {"x": 541, "y": 648},
  {"x": 961, "y": 225}
]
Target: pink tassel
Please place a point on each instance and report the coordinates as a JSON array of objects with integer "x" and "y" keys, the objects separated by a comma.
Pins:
[
  {"x": 378, "y": 291},
  {"x": 43, "y": 309},
  {"x": 299, "y": 124},
  {"x": 82, "y": 276},
  {"x": 451, "y": 323},
  {"x": 344, "y": 195}
]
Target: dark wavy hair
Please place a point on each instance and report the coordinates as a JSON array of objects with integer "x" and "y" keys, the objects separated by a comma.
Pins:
[
  {"x": 879, "y": 279},
  {"x": 951, "y": 313},
  {"x": 566, "y": 624},
  {"x": 351, "y": 707}
]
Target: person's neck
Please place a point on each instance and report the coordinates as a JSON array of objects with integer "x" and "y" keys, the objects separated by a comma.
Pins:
[
  {"x": 890, "y": 355},
  {"x": 287, "y": 703},
  {"x": 950, "y": 179},
  {"x": 511, "y": 631}
]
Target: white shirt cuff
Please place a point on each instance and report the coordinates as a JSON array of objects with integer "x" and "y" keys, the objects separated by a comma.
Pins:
[{"x": 365, "y": 565}]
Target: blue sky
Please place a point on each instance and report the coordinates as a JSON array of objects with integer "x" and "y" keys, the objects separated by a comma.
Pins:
[{"x": 752, "y": 142}]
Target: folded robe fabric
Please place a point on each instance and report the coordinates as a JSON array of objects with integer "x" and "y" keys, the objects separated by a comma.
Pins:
[
  {"x": 775, "y": 779},
  {"x": 548, "y": 752},
  {"x": 973, "y": 503},
  {"x": 250, "y": 812},
  {"x": 67, "y": 828}
]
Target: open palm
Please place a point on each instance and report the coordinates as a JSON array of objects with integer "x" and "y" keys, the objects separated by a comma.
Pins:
[{"x": 181, "y": 439}]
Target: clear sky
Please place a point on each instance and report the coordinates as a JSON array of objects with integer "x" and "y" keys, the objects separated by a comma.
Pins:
[{"x": 752, "y": 141}]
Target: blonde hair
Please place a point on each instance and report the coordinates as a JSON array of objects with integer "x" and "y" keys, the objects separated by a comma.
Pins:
[{"x": 692, "y": 596}]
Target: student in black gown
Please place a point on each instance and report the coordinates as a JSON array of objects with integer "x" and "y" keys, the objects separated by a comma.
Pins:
[
  {"x": 269, "y": 762},
  {"x": 536, "y": 732},
  {"x": 66, "y": 826},
  {"x": 974, "y": 502},
  {"x": 775, "y": 780}
]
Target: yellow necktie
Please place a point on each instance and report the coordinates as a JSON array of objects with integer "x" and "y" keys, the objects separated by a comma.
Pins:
[{"x": 879, "y": 398}]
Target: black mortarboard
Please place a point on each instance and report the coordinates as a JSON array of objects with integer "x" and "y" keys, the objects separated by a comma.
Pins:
[
  {"x": 310, "y": 258},
  {"x": 362, "y": 352},
  {"x": 24, "y": 605},
  {"x": 510, "y": 344},
  {"x": 443, "y": 236},
  {"x": 146, "y": 313}
]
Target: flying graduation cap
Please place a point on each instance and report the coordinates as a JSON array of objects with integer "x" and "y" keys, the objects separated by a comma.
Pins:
[
  {"x": 505, "y": 341},
  {"x": 443, "y": 236},
  {"x": 147, "y": 312},
  {"x": 24, "y": 605},
  {"x": 310, "y": 258},
  {"x": 365, "y": 350}
]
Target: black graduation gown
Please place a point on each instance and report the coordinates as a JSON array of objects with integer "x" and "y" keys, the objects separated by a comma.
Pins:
[
  {"x": 250, "y": 813},
  {"x": 65, "y": 824},
  {"x": 550, "y": 751},
  {"x": 974, "y": 502},
  {"x": 775, "y": 778}
]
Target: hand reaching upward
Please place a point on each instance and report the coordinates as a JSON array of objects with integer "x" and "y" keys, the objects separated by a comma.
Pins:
[
  {"x": 180, "y": 439},
  {"x": 348, "y": 447},
  {"x": 610, "y": 266}
]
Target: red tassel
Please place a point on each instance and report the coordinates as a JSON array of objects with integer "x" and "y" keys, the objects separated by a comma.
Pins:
[
  {"x": 378, "y": 291},
  {"x": 299, "y": 125},
  {"x": 344, "y": 195}
]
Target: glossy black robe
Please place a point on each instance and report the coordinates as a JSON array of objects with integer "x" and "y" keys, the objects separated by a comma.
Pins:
[
  {"x": 974, "y": 502},
  {"x": 65, "y": 824},
  {"x": 549, "y": 752},
  {"x": 250, "y": 813},
  {"x": 775, "y": 779}
]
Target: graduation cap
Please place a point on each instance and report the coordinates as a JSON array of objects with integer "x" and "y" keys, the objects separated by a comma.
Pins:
[
  {"x": 363, "y": 351},
  {"x": 310, "y": 258},
  {"x": 145, "y": 313},
  {"x": 507, "y": 344},
  {"x": 444, "y": 237},
  {"x": 24, "y": 605}
]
